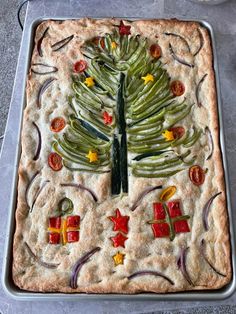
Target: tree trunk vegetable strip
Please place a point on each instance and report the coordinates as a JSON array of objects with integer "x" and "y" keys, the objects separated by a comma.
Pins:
[
  {"x": 78, "y": 265},
  {"x": 206, "y": 209}
]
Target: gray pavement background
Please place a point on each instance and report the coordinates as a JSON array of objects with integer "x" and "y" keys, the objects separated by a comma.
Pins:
[{"x": 10, "y": 37}]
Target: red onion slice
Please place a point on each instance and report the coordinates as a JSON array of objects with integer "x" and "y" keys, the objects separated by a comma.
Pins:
[
  {"x": 29, "y": 186},
  {"x": 178, "y": 59},
  {"x": 180, "y": 37},
  {"x": 60, "y": 44},
  {"x": 181, "y": 263},
  {"x": 38, "y": 260},
  {"x": 202, "y": 252},
  {"x": 39, "y": 49},
  {"x": 78, "y": 265},
  {"x": 211, "y": 143},
  {"x": 42, "y": 90},
  {"x": 152, "y": 273},
  {"x": 82, "y": 187},
  {"x": 206, "y": 210},
  {"x": 143, "y": 194},
  {"x": 37, "y": 194},
  {"x": 198, "y": 89},
  {"x": 201, "y": 39},
  {"x": 37, "y": 153},
  {"x": 46, "y": 69}
]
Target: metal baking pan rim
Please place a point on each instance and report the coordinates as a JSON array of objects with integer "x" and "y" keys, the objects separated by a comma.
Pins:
[{"x": 204, "y": 295}]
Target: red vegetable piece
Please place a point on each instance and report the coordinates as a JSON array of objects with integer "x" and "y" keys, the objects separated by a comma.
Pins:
[
  {"x": 73, "y": 221},
  {"x": 55, "y": 222},
  {"x": 155, "y": 51},
  {"x": 54, "y": 238},
  {"x": 72, "y": 236},
  {"x": 57, "y": 124},
  {"x": 174, "y": 209},
  {"x": 124, "y": 29},
  {"x": 119, "y": 240},
  {"x": 197, "y": 175},
  {"x": 107, "y": 118},
  {"x": 161, "y": 230},
  {"x": 80, "y": 66},
  {"x": 181, "y": 226},
  {"x": 178, "y": 131},
  {"x": 100, "y": 40},
  {"x": 177, "y": 88},
  {"x": 120, "y": 222},
  {"x": 55, "y": 161},
  {"x": 159, "y": 212}
]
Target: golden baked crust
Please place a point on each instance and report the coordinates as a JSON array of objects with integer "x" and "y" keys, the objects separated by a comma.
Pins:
[{"x": 142, "y": 251}]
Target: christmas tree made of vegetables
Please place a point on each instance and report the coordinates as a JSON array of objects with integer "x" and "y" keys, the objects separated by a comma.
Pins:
[{"x": 125, "y": 102}]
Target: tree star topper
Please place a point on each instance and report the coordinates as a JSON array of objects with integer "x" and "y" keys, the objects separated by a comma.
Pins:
[
  {"x": 118, "y": 258},
  {"x": 120, "y": 222},
  {"x": 92, "y": 156},
  {"x": 89, "y": 81},
  {"x": 124, "y": 29},
  {"x": 148, "y": 78}
]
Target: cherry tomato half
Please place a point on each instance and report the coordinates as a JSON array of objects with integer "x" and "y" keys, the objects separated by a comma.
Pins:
[
  {"x": 178, "y": 131},
  {"x": 197, "y": 175},
  {"x": 96, "y": 41},
  {"x": 155, "y": 51},
  {"x": 55, "y": 161},
  {"x": 80, "y": 66},
  {"x": 57, "y": 124},
  {"x": 177, "y": 88}
]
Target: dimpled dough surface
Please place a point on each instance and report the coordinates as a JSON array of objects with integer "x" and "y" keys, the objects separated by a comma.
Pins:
[{"x": 143, "y": 252}]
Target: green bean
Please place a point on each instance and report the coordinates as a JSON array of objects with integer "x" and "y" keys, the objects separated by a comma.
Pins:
[
  {"x": 86, "y": 100},
  {"x": 91, "y": 119},
  {"x": 85, "y": 170},
  {"x": 156, "y": 175},
  {"x": 145, "y": 122},
  {"x": 181, "y": 140},
  {"x": 193, "y": 140},
  {"x": 147, "y": 149},
  {"x": 156, "y": 167},
  {"x": 173, "y": 121},
  {"x": 144, "y": 127},
  {"x": 153, "y": 156},
  {"x": 136, "y": 55},
  {"x": 90, "y": 92}
]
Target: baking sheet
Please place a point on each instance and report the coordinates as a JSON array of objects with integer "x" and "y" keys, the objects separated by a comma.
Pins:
[{"x": 16, "y": 293}]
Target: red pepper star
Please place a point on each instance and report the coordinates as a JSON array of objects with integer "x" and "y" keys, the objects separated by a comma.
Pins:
[
  {"x": 124, "y": 29},
  {"x": 107, "y": 118},
  {"x": 119, "y": 240},
  {"x": 120, "y": 222}
]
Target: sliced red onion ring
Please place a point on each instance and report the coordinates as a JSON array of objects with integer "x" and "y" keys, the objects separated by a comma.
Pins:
[
  {"x": 198, "y": 89},
  {"x": 181, "y": 263},
  {"x": 143, "y": 194},
  {"x": 180, "y": 37},
  {"x": 201, "y": 42},
  {"x": 37, "y": 194},
  {"x": 39, "y": 49},
  {"x": 211, "y": 143},
  {"x": 203, "y": 254},
  {"x": 43, "y": 88},
  {"x": 206, "y": 210},
  {"x": 82, "y": 187},
  {"x": 78, "y": 265},
  {"x": 60, "y": 44},
  {"x": 37, "y": 153},
  {"x": 46, "y": 69},
  {"x": 38, "y": 260},
  {"x": 178, "y": 59},
  {"x": 152, "y": 273},
  {"x": 29, "y": 186}
]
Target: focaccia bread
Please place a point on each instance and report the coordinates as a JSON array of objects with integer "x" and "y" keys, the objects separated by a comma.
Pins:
[{"x": 121, "y": 185}]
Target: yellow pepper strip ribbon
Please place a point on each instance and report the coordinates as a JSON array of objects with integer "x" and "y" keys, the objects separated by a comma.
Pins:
[{"x": 63, "y": 230}]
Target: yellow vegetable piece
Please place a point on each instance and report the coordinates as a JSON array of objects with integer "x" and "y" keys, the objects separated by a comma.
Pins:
[
  {"x": 168, "y": 135},
  {"x": 64, "y": 237},
  {"x": 113, "y": 45},
  {"x": 89, "y": 81},
  {"x": 148, "y": 78},
  {"x": 167, "y": 193},
  {"x": 55, "y": 230},
  {"x": 92, "y": 156},
  {"x": 118, "y": 258}
]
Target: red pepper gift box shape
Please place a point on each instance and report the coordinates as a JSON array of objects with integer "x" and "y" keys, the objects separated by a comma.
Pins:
[{"x": 168, "y": 220}]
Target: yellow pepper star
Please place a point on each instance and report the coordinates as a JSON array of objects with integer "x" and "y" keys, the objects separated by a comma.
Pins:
[
  {"x": 148, "y": 78},
  {"x": 113, "y": 45},
  {"x": 92, "y": 156},
  {"x": 168, "y": 135},
  {"x": 89, "y": 81},
  {"x": 118, "y": 258}
]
